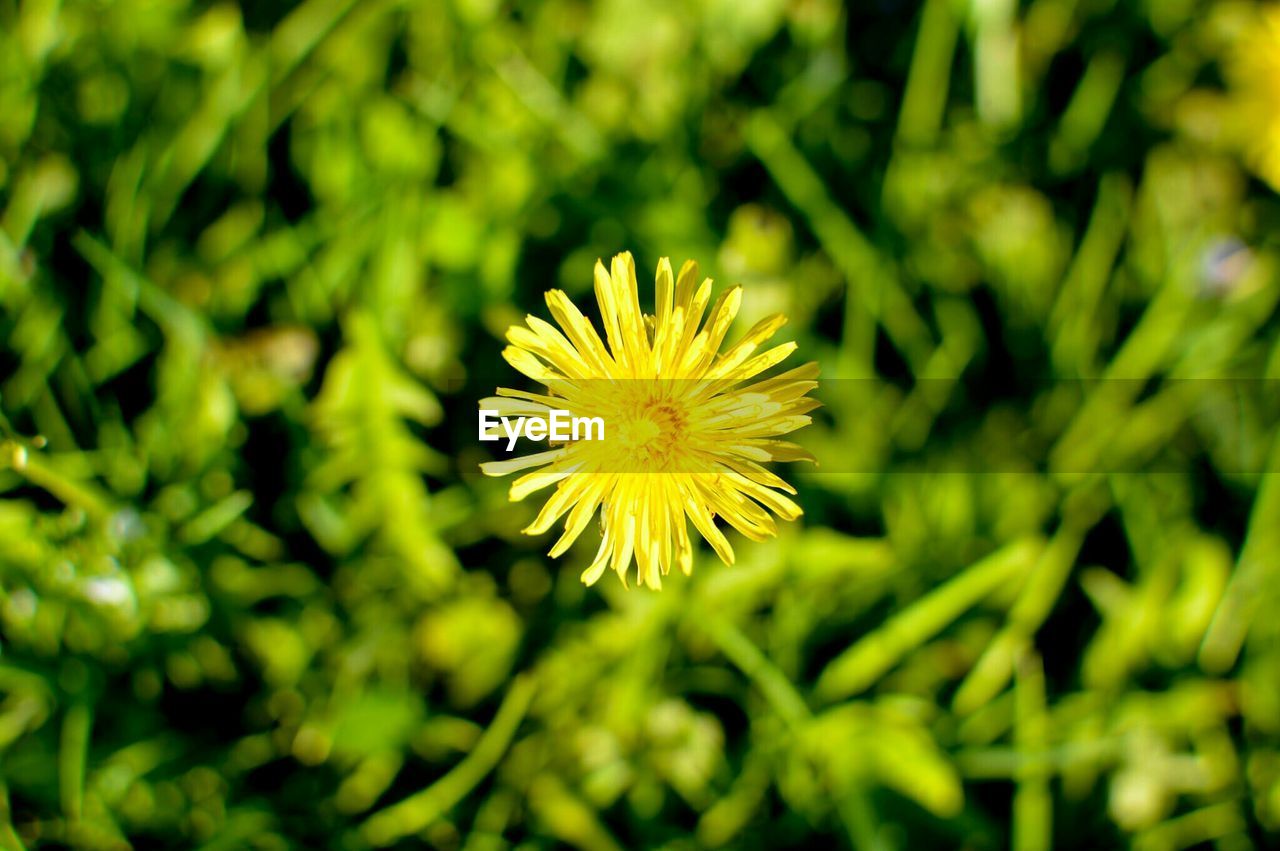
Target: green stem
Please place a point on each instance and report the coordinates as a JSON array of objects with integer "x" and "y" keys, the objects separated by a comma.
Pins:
[
  {"x": 33, "y": 467},
  {"x": 420, "y": 810},
  {"x": 866, "y": 661},
  {"x": 742, "y": 652}
]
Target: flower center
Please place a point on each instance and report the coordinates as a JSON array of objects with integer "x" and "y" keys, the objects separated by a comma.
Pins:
[{"x": 653, "y": 434}]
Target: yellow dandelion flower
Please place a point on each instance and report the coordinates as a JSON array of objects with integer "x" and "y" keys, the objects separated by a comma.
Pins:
[
  {"x": 684, "y": 439},
  {"x": 1255, "y": 75}
]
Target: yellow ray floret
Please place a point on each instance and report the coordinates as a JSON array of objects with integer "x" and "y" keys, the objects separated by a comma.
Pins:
[{"x": 686, "y": 435}]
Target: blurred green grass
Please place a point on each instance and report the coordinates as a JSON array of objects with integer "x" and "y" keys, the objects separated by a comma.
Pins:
[{"x": 255, "y": 264}]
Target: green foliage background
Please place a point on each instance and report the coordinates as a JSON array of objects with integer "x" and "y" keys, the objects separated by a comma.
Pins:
[{"x": 255, "y": 264}]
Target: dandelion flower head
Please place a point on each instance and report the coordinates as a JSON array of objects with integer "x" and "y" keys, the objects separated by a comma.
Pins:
[{"x": 687, "y": 433}]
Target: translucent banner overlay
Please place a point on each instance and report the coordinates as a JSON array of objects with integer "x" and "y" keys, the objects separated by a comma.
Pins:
[{"x": 840, "y": 426}]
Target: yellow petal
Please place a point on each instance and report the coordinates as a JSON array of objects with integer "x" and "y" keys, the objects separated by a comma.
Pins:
[
  {"x": 515, "y": 465},
  {"x": 665, "y": 295},
  {"x": 532, "y": 482}
]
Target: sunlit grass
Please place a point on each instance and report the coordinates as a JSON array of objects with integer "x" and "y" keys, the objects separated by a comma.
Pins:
[{"x": 256, "y": 266}]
